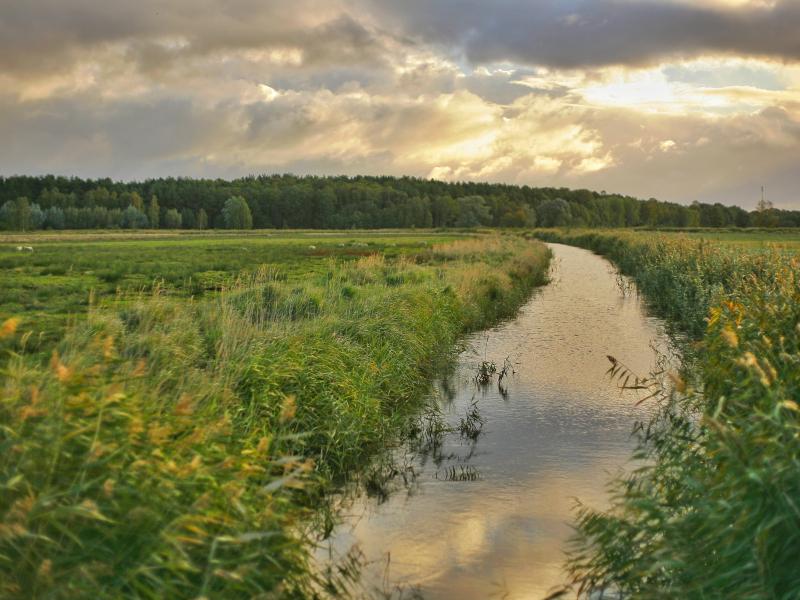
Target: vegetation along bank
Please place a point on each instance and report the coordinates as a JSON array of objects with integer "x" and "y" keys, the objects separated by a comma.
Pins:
[
  {"x": 180, "y": 446},
  {"x": 714, "y": 511}
]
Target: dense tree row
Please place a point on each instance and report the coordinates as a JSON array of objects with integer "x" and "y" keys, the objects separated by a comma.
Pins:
[{"x": 287, "y": 201}]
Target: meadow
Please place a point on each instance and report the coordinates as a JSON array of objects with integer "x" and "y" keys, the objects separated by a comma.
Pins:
[
  {"x": 66, "y": 271},
  {"x": 176, "y": 433},
  {"x": 750, "y": 239},
  {"x": 712, "y": 511}
]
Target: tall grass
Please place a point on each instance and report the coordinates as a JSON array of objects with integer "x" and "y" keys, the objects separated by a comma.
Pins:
[
  {"x": 179, "y": 448},
  {"x": 715, "y": 510}
]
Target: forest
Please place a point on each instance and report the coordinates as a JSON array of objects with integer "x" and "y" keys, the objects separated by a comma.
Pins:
[{"x": 312, "y": 202}]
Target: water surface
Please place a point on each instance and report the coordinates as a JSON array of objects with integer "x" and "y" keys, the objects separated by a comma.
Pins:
[{"x": 558, "y": 434}]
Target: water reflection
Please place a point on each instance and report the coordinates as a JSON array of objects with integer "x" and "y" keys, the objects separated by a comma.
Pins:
[{"x": 488, "y": 517}]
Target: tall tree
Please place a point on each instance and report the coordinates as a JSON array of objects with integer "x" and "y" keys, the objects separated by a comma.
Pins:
[
  {"x": 237, "y": 213},
  {"x": 172, "y": 219},
  {"x": 202, "y": 219},
  {"x": 473, "y": 211},
  {"x": 133, "y": 218},
  {"x": 554, "y": 213},
  {"x": 153, "y": 212},
  {"x": 18, "y": 214},
  {"x": 54, "y": 218},
  {"x": 188, "y": 218}
]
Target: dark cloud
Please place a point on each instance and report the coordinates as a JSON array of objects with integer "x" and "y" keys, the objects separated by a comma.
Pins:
[
  {"x": 591, "y": 33},
  {"x": 47, "y": 36},
  {"x": 39, "y": 36},
  {"x": 124, "y": 139}
]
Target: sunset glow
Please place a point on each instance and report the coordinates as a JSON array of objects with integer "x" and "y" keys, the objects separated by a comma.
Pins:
[{"x": 579, "y": 94}]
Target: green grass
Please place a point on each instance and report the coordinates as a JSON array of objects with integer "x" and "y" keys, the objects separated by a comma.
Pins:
[
  {"x": 750, "y": 239},
  {"x": 713, "y": 510},
  {"x": 49, "y": 286},
  {"x": 181, "y": 445}
]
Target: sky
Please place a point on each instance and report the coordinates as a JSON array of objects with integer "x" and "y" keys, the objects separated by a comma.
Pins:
[{"x": 675, "y": 99}]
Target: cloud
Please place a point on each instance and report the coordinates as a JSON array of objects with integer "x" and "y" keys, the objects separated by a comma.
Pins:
[
  {"x": 632, "y": 96},
  {"x": 575, "y": 34},
  {"x": 46, "y": 37}
]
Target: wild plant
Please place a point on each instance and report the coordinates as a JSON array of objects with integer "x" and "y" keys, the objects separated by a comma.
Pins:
[{"x": 711, "y": 511}]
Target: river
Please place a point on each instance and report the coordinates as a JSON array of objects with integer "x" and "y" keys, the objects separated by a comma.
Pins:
[{"x": 557, "y": 434}]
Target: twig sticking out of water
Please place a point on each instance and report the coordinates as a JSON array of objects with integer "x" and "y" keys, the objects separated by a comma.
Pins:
[
  {"x": 627, "y": 380},
  {"x": 486, "y": 372},
  {"x": 471, "y": 425},
  {"x": 508, "y": 368}
]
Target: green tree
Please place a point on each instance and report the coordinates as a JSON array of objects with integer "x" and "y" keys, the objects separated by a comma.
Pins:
[
  {"x": 521, "y": 216},
  {"x": 8, "y": 215},
  {"x": 23, "y": 214},
  {"x": 112, "y": 217},
  {"x": 101, "y": 217},
  {"x": 236, "y": 213},
  {"x": 202, "y": 219},
  {"x": 765, "y": 214},
  {"x": 444, "y": 210},
  {"x": 133, "y": 218},
  {"x": 37, "y": 217},
  {"x": 54, "y": 218},
  {"x": 100, "y": 196},
  {"x": 554, "y": 213},
  {"x": 132, "y": 199},
  {"x": 52, "y": 197},
  {"x": 473, "y": 211},
  {"x": 172, "y": 219},
  {"x": 188, "y": 218},
  {"x": 153, "y": 212},
  {"x": 19, "y": 214}
]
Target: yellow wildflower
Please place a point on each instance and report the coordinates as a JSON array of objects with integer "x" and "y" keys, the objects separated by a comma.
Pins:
[
  {"x": 62, "y": 372},
  {"x": 288, "y": 409},
  {"x": 8, "y": 327},
  {"x": 730, "y": 337}
]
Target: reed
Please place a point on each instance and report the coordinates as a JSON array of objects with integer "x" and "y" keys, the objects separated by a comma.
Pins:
[
  {"x": 179, "y": 447},
  {"x": 712, "y": 511}
]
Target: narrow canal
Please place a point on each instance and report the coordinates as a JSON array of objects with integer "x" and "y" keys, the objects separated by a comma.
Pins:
[{"x": 490, "y": 517}]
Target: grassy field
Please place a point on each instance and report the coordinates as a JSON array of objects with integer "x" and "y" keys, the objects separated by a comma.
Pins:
[
  {"x": 742, "y": 238},
  {"x": 713, "y": 513},
  {"x": 760, "y": 238},
  {"x": 46, "y": 287},
  {"x": 181, "y": 437}
]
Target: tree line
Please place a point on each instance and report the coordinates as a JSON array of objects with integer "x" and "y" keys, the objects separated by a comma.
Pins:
[{"x": 311, "y": 202}]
